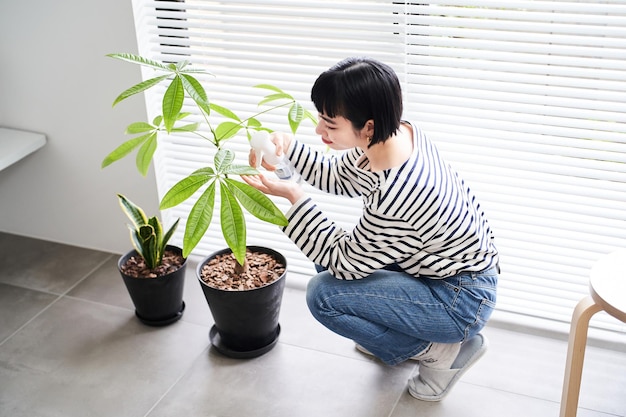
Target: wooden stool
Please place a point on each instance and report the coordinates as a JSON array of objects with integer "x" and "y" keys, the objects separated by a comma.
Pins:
[{"x": 607, "y": 286}]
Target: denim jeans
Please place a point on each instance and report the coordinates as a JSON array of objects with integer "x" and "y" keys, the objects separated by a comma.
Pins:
[{"x": 396, "y": 316}]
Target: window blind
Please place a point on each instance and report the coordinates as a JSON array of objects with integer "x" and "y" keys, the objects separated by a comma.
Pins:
[{"x": 525, "y": 99}]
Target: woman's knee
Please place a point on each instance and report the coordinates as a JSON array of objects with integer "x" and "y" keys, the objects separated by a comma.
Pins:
[{"x": 315, "y": 291}]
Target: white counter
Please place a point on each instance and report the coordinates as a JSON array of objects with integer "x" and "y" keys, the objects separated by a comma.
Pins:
[{"x": 16, "y": 144}]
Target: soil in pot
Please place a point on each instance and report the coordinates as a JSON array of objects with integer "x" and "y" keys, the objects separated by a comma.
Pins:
[
  {"x": 136, "y": 267},
  {"x": 224, "y": 272}
]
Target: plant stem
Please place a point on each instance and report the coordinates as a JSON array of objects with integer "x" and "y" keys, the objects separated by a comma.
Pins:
[{"x": 240, "y": 269}]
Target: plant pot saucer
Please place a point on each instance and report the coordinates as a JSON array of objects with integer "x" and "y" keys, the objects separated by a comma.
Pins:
[
  {"x": 216, "y": 341},
  {"x": 164, "y": 322}
]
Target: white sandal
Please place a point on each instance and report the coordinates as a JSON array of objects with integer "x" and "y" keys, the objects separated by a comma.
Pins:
[{"x": 434, "y": 384}]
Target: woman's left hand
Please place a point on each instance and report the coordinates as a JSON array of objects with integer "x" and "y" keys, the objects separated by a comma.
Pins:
[{"x": 280, "y": 188}]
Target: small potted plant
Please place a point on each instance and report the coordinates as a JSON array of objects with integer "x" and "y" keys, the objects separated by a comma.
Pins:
[
  {"x": 237, "y": 299},
  {"x": 153, "y": 272}
]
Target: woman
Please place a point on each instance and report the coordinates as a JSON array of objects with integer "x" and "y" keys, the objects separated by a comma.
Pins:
[{"x": 416, "y": 277}]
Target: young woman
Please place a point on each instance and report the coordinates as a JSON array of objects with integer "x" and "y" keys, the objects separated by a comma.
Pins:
[{"x": 416, "y": 277}]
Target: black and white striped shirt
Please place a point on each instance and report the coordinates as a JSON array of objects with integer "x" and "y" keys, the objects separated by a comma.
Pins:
[{"x": 420, "y": 216}]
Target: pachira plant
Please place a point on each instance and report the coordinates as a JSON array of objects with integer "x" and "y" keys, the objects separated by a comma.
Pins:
[
  {"x": 215, "y": 180},
  {"x": 146, "y": 233}
]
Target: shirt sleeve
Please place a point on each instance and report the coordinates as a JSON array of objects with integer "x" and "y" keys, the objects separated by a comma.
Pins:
[
  {"x": 329, "y": 173},
  {"x": 346, "y": 255}
]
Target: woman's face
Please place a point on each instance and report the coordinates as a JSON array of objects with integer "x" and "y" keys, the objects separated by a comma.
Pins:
[{"x": 338, "y": 133}]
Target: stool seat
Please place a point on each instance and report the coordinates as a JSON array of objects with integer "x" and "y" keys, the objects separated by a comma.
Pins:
[
  {"x": 607, "y": 284},
  {"x": 607, "y": 288}
]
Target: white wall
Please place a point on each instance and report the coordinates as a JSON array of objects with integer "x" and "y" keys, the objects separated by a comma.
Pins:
[{"x": 56, "y": 80}]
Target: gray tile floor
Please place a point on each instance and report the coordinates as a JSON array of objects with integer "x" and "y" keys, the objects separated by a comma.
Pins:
[{"x": 70, "y": 345}]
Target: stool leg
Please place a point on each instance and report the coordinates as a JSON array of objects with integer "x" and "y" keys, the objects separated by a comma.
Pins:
[{"x": 583, "y": 312}]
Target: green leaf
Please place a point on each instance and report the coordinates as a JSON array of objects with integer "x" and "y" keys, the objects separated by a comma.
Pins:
[
  {"x": 124, "y": 149},
  {"x": 199, "y": 220},
  {"x": 172, "y": 103},
  {"x": 227, "y": 130},
  {"x": 296, "y": 112},
  {"x": 224, "y": 111},
  {"x": 182, "y": 115},
  {"x": 145, "y": 154},
  {"x": 296, "y": 115},
  {"x": 157, "y": 228},
  {"x": 253, "y": 123},
  {"x": 159, "y": 247},
  {"x": 233, "y": 224},
  {"x": 223, "y": 159},
  {"x": 186, "y": 128},
  {"x": 138, "y": 88},
  {"x": 132, "y": 211},
  {"x": 240, "y": 170},
  {"x": 293, "y": 126},
  {"x": 149, "y": 245},
  {"x": 136, "y": 240},
  {"x": 185, "y": 188},
  {"x": 196, "y": 92},
  {"x": 136, "y": 59},
  {"x": 274, "y": 97},
  {"x": 139, "y": 127},
  {"x": 180, "y": 65},
  {"x": 269, "y": 87},
  {"x": 256, "y": 203},
  {"x": 195, "y": 71}
]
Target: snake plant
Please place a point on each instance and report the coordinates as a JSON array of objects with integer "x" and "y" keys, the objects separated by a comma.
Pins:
[{"x": 146, "y": 233}]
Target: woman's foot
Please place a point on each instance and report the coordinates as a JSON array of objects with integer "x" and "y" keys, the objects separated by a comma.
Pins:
[{"x": 434, "y": 383}]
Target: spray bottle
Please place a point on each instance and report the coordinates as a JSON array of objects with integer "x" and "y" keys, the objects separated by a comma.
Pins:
[{"x": 265, "y": 149}]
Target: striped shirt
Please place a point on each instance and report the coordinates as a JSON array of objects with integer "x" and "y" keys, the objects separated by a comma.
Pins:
[{"x": 420, "y": 216}]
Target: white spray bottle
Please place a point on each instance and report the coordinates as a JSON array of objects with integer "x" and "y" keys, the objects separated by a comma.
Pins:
[{"x": 265, "y": 149}]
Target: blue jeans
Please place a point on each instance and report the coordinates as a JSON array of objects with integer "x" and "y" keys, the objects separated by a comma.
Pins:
[{"x": 396, "y": 316}]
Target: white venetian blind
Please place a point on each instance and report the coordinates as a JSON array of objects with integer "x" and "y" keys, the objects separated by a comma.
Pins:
[
  {"x": 525, "y": 98},
  {"x": 528, "y": 100}
]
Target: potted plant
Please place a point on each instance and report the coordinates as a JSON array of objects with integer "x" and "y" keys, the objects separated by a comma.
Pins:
[
  {"x": 153, "y": 272},
  {"x": 244, "y": 296}
]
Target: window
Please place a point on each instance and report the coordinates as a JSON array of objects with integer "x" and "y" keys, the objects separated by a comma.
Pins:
[{"x": 525, "y": 98}]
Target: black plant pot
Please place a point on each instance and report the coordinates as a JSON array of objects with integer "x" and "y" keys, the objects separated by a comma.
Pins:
[
  {"x": 158, "y": 301},
  {"x": 246, "y": 322}
]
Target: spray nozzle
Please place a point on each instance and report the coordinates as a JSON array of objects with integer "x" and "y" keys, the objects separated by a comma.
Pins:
[{"x": 265, "y": 149}]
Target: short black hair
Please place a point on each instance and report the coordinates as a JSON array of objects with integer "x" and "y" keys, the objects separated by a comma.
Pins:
[{"x": 360, "y": 89}]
